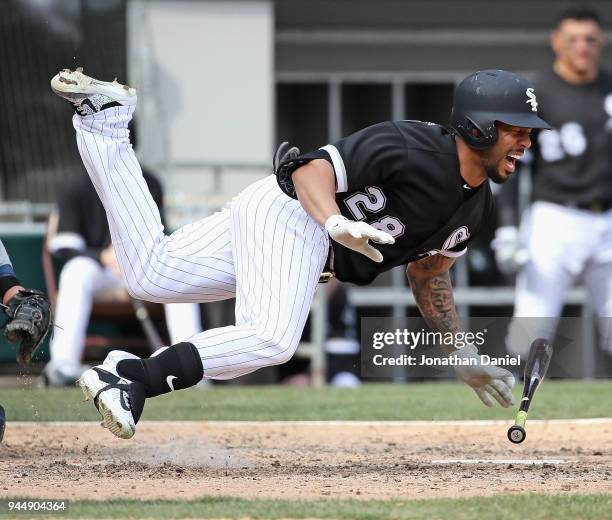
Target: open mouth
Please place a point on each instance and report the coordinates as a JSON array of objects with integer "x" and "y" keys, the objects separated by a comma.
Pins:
[{"x": 511, "y": 160}]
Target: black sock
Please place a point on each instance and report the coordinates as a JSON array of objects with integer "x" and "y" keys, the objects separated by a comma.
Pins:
[{"x": 177, "y": 367}]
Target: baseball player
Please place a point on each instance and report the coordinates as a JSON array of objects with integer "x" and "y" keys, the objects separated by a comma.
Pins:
[
  {"x": 566, "y": 234},
  {"x": 28, "y": 311},
  {"x": 417, "y": 190}
]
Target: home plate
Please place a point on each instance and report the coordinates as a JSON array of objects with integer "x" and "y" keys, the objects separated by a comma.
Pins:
[{"x": 526, "y": 462}]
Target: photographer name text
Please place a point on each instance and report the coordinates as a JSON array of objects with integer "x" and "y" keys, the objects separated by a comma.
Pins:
[{"x": 411, "y": 360}]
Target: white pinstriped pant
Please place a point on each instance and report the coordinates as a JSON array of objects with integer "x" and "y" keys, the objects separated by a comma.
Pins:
[{"x": 263, "y": 248}]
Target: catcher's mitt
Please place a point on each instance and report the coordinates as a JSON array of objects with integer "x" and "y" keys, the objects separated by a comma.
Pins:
[{"x": 29, "y": 320}]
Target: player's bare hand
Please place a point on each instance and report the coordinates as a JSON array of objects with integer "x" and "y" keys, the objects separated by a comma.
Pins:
[
  {"x": 488, "y": 381},
  {"x": 356, "y": 236}
]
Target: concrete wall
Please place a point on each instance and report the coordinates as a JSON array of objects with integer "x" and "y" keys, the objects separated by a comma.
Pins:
[
  {"x": 205, "y": 73},
  {"x": 417, "y": 36}
]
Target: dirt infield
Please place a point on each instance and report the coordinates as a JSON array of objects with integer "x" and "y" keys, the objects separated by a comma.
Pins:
[{"x": 303, "y": 460}]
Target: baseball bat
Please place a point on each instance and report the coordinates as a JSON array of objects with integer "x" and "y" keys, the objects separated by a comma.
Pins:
[
  {"x": 153, "y": 338},
  {"x": 538, "y": 360}
]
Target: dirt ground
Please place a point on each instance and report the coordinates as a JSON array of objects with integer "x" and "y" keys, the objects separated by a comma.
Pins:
[{"x": 302, "y": 460}]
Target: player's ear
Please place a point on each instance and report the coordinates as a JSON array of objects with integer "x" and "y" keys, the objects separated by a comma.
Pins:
[{"x": 474, "y": 130}]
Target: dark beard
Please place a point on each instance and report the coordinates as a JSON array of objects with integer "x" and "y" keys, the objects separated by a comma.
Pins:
[{"x": 492, "y": 171}]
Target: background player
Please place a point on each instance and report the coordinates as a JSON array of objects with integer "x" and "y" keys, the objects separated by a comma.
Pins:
[
  {"x": 567, "y": 232},
  {"x": 425, "y": 187}
]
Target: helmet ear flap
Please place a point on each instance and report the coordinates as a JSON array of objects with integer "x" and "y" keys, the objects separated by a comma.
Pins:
[
  {"x": 478, "y": 137},
  {"x": 474, "y": 130}
]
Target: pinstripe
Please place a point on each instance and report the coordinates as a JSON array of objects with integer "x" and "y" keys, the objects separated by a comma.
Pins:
[
  {"x": 154, "y": 217},
  {"x": 119, "y": 241},
  {"x": 190, "y": 231},
  {"x": 240, "y": 312},
  {"x": 297, "y": 324},
  {"x": 269, "y": 312},
  {"x": 240, "y": 210},
  {"x": 282, "y": 258},
  {"x": 242, "y": 296},
  {"x": 318, "y": 258},
  {"x": 262, "y": 247},
  {"x": 289, "y": 325},
  {"x": 197, "y": 241},
  {"x": 117, "y": 198},
  {"x": 226, "y": 293},
  {"x": 248, "y": 280},
  {"x": 261, "y": 264},
  {"x": 235, "y": 362},
  {"x": 116, "y": 243}
]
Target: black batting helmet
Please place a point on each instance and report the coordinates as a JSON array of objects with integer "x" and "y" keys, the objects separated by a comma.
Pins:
[{"x": 493, "y": 95}]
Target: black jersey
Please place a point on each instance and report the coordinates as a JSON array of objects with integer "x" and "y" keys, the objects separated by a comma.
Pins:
[
  {"x": 573, "y": 161},
  {"x": 401, "y": 177},
  {"x": 83, "y": 227}
]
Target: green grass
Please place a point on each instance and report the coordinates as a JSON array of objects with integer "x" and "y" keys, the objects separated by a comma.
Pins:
[
  {"x": 412, "y": 401},
  {"x": 501, "y": 507}
]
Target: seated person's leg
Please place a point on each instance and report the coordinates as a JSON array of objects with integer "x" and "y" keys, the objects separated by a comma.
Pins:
[
  {"x": 183, "y": 321},
  {"x": 79, "y": 280}
]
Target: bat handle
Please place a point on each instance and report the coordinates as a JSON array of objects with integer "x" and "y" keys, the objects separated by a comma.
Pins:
[
  {"x": 521, "y": 419},
  {"x": 517, "y": 433}
]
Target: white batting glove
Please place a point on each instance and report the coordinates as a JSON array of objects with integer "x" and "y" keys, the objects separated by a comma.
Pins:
[
  {"x": 488, "y": 381},
  {"x": 355, "y": 236},
  {"x": 510, "y": 253}
]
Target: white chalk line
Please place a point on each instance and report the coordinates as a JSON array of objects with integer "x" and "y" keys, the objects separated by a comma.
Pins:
[
  {"x": 524, "y": 462},
  {"x": 357, "y": 424}
]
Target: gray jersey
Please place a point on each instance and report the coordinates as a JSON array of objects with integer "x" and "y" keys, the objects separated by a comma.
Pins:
[
  {"x": 7, "y": 274},
  {"x": 4, "y": 259}
]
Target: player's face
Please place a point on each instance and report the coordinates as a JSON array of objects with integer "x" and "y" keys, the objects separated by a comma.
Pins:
[
  {"x": 577, "y": 45},
  {"x": 499, "y": 161}
]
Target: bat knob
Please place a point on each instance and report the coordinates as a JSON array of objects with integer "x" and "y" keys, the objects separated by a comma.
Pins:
[{"x": 517, "y": 434}]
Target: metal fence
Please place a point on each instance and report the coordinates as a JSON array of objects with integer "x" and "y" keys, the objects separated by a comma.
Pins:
[{"x": 37, "y": 145}]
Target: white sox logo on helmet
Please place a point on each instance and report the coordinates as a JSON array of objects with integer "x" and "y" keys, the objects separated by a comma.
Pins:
[{"x": 532, "y": 99}]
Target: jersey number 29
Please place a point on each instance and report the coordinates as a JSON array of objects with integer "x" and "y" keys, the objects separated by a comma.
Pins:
[{"x": 373, "y": 201}]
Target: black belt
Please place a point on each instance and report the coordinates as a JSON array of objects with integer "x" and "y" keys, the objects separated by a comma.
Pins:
[
  {"x": 595, "y": 206},
  {"x": 328, "y": 271}
]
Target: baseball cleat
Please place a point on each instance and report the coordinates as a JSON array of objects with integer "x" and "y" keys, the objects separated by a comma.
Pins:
[
  {"x": 89, "y": 95},
  {"x": 114, "y": 397}
]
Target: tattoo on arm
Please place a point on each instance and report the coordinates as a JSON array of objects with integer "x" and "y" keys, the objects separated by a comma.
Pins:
[{"x": 433, "y": 291}]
